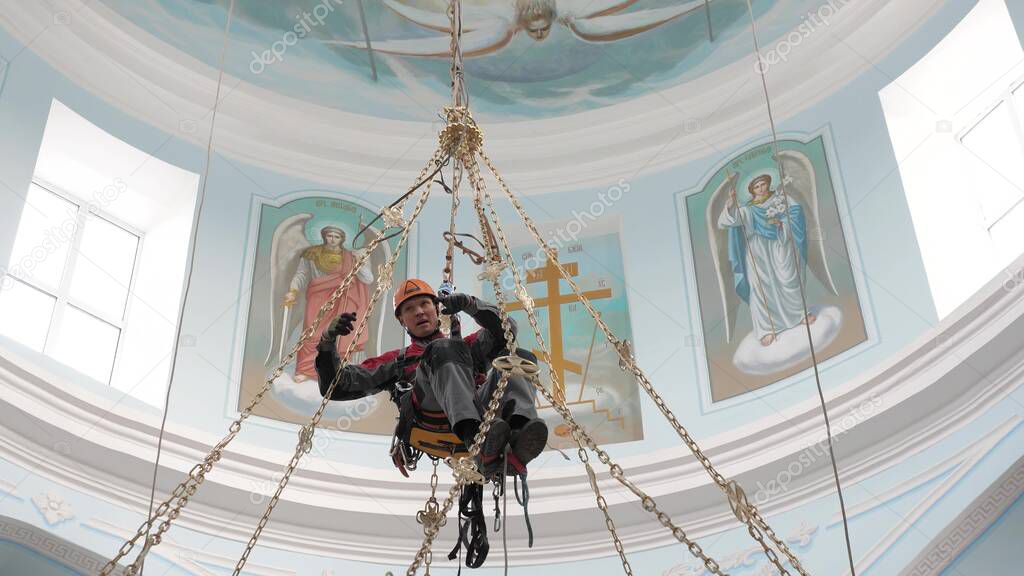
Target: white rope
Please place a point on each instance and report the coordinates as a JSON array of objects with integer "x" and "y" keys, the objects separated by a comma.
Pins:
[
  {"x": 191, "y": 265},
  {"x": 803, "y": 292}
]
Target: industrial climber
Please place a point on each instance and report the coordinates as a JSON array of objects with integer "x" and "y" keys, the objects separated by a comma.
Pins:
[{"x": 451, "y": 381}]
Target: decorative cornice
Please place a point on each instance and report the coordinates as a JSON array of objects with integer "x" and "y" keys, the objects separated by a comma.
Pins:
[
  {"x": 969, "y": 524},
  {"x": 41, "y": 542},
  {"x": 190, "y": 560},
  {"x": 8, "y": 489},
  {"x": 942, "y": 383},
  {"x": 919, "y": 392},
  {"x": 949, "y": 473},
  {"x": 653, "y": 132}
]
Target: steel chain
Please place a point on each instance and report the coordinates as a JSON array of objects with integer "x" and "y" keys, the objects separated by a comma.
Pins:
[
  {"x": 602, "y": 504},
  {"x": 618, "y": 474},
  {"x": 198, "y": 473},
  {"x": 384, "y": 281},
  {"x": 779, "y": 542},
  {"x": 431, "y": 515},
  {"x": 182, "y": 493},
  {"x": 467, "y": 463},
  {"x": 629, "y": 361}
]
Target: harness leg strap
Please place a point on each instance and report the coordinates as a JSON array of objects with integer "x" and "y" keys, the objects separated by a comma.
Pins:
[{"x": 472, "y": 527}]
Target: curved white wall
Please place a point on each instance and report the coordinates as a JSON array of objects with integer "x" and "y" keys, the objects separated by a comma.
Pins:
[{"x": 923, "y": 440}]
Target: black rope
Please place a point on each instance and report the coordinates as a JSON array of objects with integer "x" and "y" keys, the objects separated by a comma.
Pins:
[
  {"x": 524, "y": 502},
  {"x": 193, "y": 235},
  {"x": 472, "y": 528},
  {"x": 403, "y": 197},
  {"x": 504, "y": 494}
]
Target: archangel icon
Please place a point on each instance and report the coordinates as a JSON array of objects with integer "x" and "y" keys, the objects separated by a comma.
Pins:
[{"x": 762, "y": 250}]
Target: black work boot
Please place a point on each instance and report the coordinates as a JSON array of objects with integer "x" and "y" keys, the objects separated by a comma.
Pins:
[
  {"x": 490, "y": 459},
  {"x": 527, "y": 443}
]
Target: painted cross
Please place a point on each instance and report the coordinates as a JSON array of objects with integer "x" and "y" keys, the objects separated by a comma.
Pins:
[{"x": 553, "y": 301}]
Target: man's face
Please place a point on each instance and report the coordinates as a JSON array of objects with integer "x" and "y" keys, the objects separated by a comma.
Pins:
[{"x": 419, "y": 316}]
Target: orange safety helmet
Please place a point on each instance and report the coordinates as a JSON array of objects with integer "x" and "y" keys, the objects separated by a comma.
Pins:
[{"x": 410, "y": 289}]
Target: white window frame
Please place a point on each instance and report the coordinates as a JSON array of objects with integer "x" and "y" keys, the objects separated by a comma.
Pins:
[
  {"x": 61, "y": 295},
  {"x": 1017, "y": 115}
]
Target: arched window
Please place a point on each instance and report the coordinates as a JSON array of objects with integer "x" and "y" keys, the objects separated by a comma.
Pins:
[
  {"x": 95, "y": 277},
  {"x": 956, "y": 119}
]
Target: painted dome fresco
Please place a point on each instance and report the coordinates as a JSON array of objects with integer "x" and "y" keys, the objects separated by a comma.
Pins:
[
  {"x": 744, "y": 277},
  {"x": 524, "y": 58}
]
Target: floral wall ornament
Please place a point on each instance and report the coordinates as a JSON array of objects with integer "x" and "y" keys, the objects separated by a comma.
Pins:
[
  {"x": 52, "y": 506},
  {"x": 803, "y": 536}
]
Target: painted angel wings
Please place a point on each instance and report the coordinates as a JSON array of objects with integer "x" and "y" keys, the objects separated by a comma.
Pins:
[
  {"x": 720, "y": 252},
  {"x": 285, "y": 250},
  {"x": 800, "y": 186},
  {"x": 489, "y": 28}
]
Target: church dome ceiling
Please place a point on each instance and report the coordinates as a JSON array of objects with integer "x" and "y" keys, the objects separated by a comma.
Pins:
[
  {"x": 547, "y": 90},
  {"x": 569, "y": 56}
]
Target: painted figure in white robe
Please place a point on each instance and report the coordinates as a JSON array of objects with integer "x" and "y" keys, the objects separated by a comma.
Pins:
[
  {"x": 768, "y": 257},
  {"x": 768, "y": 252}
]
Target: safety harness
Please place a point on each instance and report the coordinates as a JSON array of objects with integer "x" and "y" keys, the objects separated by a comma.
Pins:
[{"x": 419, "y": 431}]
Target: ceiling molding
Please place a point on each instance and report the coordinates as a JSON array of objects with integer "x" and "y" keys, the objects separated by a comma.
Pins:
[
  {"x": 707, "y": 116},
  {"x": 955, "y": 374},
  {"x": 969, "y": 524},
  {"x": 949, "y": 475},
  {"x": 187, "y": 559},
  {"x": 52, "y": 547},
  {"x": 8, "y": 489}
]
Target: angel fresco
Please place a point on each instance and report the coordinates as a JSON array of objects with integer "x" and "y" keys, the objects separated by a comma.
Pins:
[
  {"x": 762, "y": 250},
  {"x": 489, "y": 27},
  {"x": 302, "y": 250},
  {"x": 303, "y": 276}
]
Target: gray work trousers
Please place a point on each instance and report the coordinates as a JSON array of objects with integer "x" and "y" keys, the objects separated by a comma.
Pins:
[{"x": 445, "y": 382}]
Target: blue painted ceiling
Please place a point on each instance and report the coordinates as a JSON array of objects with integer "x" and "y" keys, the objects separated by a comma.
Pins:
[{"x": 563, "y": 59}]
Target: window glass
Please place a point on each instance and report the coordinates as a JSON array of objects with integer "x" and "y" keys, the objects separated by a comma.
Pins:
[
  {"x": 997, "y": 159},
  {"x": 25, "y": 311},
  {"x": 85, "y": 343},
  {"x": 45, "y": 232},
  {"x": 103, "y": 269}
]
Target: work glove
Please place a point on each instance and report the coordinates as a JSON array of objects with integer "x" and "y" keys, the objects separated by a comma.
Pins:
[
  {"x": 340, "y": 326},
  {"x": 455, "y": 303}
]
